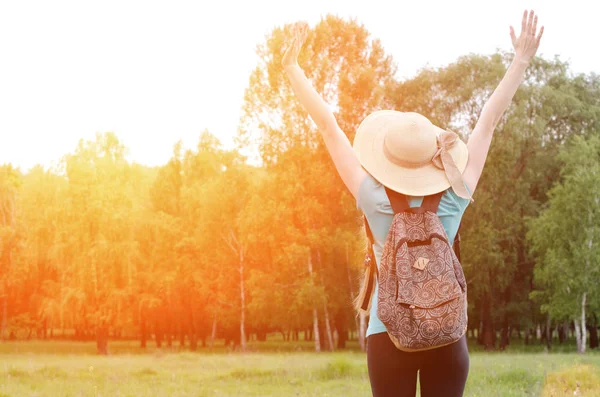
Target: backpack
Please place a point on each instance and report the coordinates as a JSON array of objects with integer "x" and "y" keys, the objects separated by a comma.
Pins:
[{"x": 422, "y": 291}]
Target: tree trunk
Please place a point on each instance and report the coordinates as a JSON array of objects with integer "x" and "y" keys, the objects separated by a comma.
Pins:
[
  {"x": 4, "y": 318},
  {"x": 583, "y": 327},
  {"x": 489, "y": 334},
  {"x": 341, "y": 329},
  {"x": 362, "y": 331},
  {"x": 504, "y": 336},
  {"x": 169, "y": 335},
  {"x": 102, "y": 339},
  {"x": 143, "y": 330},
  {"x": 5, "y": 304},
  {"x": 181, "y": 336},
  {"x": 213, "y": 332},
  {"x": 324, "y": 339},
  {"x": 5, "y": 300},
  {"x": 578, "y": 336},
  {"x": 242, "y": 304},
  {"x": 351, "y": 288},
  {"x": 480, "y": 328},
  {"x": 594, "y": 332},
  {"x": 566, "y": 329},
  {"x": 193, "y": 336},
  {"x": 315, "y": 314},
  {"x": 158, "y": 335},
  {"x": 316, "y": 330},
  {"x": 328, "y": 331},
  {"x": 548, "y": 332},
  {"x": 560, "y": 329},
  {"x": 331, "y": 346}
]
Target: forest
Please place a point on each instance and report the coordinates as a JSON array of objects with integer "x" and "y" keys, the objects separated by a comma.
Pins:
[{"x": 232, "y": 244}]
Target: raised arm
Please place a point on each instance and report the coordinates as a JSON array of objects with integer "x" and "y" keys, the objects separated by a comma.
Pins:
[
  {"x": 337, "y": 143},
  {"x": 526, "y": 46}
]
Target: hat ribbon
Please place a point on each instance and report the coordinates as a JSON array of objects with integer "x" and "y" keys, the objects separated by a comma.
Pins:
[{"x": 443, "y": 160}]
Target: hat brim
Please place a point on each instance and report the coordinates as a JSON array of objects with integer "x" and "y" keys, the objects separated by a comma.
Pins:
[{"x": 421, "y": 181}]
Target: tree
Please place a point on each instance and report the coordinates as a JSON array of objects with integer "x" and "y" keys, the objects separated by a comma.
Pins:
[
  {"x": 9, "y": 182},
  {"x": 39, "y": 259},
  {"x": 210, "y": 249},
  {"x": 350, "y": 70},
  {"x": 565, "y": 238},
  {"x": 100, "y": 232}
]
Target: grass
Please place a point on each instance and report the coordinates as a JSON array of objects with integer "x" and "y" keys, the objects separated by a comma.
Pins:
[
  {"x": 67, "y": 369},
  {"x": 581, "y": 380}
]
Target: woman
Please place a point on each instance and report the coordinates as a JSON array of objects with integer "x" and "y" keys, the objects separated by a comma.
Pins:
[{"x": 393, "y": 150}]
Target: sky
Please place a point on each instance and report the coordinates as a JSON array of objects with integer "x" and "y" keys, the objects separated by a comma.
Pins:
[{"x": 156, "y": 72}]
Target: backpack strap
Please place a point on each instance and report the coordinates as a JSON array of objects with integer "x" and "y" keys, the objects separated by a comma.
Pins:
[
  {"x": 432, "y": 202},
  {"x": 398, "y": 201},
  {"x": 456, "y": 244}
]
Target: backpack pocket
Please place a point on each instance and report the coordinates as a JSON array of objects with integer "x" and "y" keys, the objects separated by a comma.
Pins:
[{"x": 426, "y": 275}]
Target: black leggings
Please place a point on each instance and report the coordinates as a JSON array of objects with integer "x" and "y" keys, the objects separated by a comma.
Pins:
[{"x": 442, "y": 371}]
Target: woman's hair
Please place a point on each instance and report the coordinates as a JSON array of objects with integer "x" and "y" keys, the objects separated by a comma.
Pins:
[
  {"x": 358, "y": 301},
  {"x": 363, "y": 291}
]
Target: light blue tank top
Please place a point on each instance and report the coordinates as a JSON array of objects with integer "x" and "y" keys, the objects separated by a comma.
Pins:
[{"x": 374, "y": 203}]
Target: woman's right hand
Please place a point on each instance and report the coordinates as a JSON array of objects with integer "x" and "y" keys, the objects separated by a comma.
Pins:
[{"x": 299, "y": 33}]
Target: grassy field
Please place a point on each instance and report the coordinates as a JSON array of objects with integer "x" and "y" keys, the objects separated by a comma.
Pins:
[{"x": 69, "y": 369}]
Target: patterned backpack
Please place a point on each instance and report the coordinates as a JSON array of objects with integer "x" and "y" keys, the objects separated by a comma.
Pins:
[{"x": 422, "y": 291}]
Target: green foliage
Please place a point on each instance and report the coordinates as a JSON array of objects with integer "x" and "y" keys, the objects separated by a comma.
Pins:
[
  {"x": 550, "y": 107},
  {"x": 565, "y": 236}
]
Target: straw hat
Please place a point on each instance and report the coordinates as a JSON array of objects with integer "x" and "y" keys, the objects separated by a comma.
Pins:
[{"x": 410, "y": 155}]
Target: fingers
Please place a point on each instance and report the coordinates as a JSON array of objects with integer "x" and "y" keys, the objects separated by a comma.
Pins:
[
  {"x": 300, "y": 31},
  {"x": 539, "y": 37},
  {"x": 303, "y": 31},
  {"x": 304, "y": 28},
  {"x": 524, "y": 22},
  {"x": 529, "y": 22},
  {"x": 298, "y": 34},
  {"x": 534, "y": 27},
  {"x": 513, "y": 37}
]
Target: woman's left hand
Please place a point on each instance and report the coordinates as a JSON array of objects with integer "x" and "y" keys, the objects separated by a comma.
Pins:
[{"x": 527, "y": 43}]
